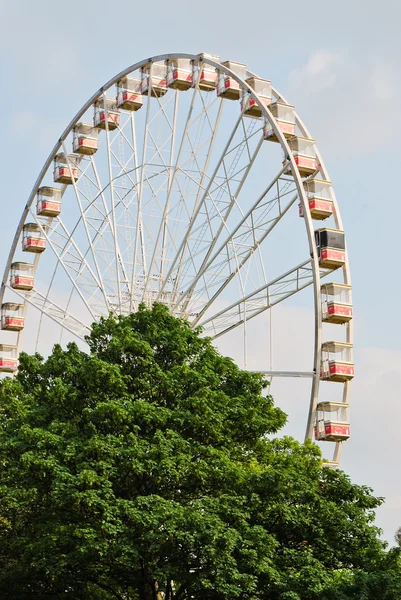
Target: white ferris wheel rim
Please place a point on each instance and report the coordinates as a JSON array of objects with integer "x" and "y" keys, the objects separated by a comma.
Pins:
[{"x": 268, "y": 117}]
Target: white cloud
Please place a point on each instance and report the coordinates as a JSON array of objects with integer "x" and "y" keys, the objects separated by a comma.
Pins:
[
  {"x": 349, "y": 103},
  {"x": 383, "y": 84},
  {"x": 321, "y": 71}
]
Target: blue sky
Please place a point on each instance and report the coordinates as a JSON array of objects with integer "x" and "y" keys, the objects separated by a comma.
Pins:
[{"x": 339, "y": 63}]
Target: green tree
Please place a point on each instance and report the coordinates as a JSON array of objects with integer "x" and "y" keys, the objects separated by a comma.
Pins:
[
  {"x": 147, "y": 470},
  {"x": 397, "y": 536},
  {"x": 382, "y": 583}
]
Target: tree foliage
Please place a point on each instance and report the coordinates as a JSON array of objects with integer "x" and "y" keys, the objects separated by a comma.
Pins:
[
  {"x": 397, "y": 536},
  {"x": 147, "y": 469}
]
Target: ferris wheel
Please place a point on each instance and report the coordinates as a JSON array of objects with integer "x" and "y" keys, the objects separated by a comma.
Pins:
[{"x": 192, "y": 182}]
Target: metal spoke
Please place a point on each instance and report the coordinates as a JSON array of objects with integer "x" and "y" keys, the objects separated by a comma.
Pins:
[
  {"x": 71, "y": 262},
  {"x": 139, "y": 234},
  {"x": 52, "y": 310},
  {"x": 199, "y": 202},
  {"x": 171, "y": 179},
  {"x": 268, "y": 295},
  {"x": 118, "y": 259},
  {"x": 253, "y": 228},
  {"x": 98, "y": 279},
  {"x": 214, "y": 213},
  {"x": 296, "y": 374},
  {"x": 245, "y": 240}
]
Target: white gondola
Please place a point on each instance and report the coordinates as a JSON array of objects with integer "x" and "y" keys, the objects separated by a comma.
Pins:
[
  {"x": 227, "y": 87},
  {"x": 12, "y": 316},
  {"x": 179, "y": 73},
  {"x": 21, "y": 276},
  {"x": 303, "y": 150},
  {"x": 65, "y": 168},
  {"x": 8, "y": 358},
  {"x": 106, "y": 112},
  {"x": 263, "y": 88},
  {"x": 33, "y": 238},
  {"x": 319, "y": 199},
  {"x": 332, "y": 422},
  {"x": 85, "y": 139},
  {"x": 336, "y": 303},
  {"x": 129, "y": 95},
  {"x": 284, "y": 115},
  {"x": 205, "y": 76},
  {"x": 48, "y": 202},
  {"x": 154, "y": 79},
  {"x": 337, "y": 362},
  {"x": 330, "y": 244}
]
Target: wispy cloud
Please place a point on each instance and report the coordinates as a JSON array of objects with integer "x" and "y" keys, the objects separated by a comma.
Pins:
[
  {"x": 357, "y": 98},
  {"x": 321, "y": 71}
]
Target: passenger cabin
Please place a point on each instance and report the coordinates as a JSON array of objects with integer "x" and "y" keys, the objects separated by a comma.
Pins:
[
  {"x": 179, "y": 73},
  {"x": 337, "y": 363},
  {"x": 106, "y": 116},
  {"x": 65, "y": 168},
  {"x": 228, "y": 87},
  {"x": 8, "y": 358},
  {"x": 205, "y": 76},
  {"x": 330, "y": 245},
  {"x": 33, "y": 238},
  {"x": 319, "y": 199},
  {"x": 21, "y": 277},
  {"x": 154, "y": 79},
  {"x": 284, "y": 114},
  {"x": 332, "y": 422},
  {"x": 48, "y": 202},
  {"x": 336, "y": 303},
  {"x": 129, "y": 95},
  {"x": 12, "y": 316},
  {"x": 84, "y": 139},
  {"x": 263, "y": 88},
  {"x": 304, "y": 154}
]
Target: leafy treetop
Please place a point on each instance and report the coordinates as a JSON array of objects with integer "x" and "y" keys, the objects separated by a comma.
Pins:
[{"x": 147, "y": 470}]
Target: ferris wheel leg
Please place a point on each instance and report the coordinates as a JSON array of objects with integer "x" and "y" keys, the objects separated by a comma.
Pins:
[{"x": 337, "y": 452}]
